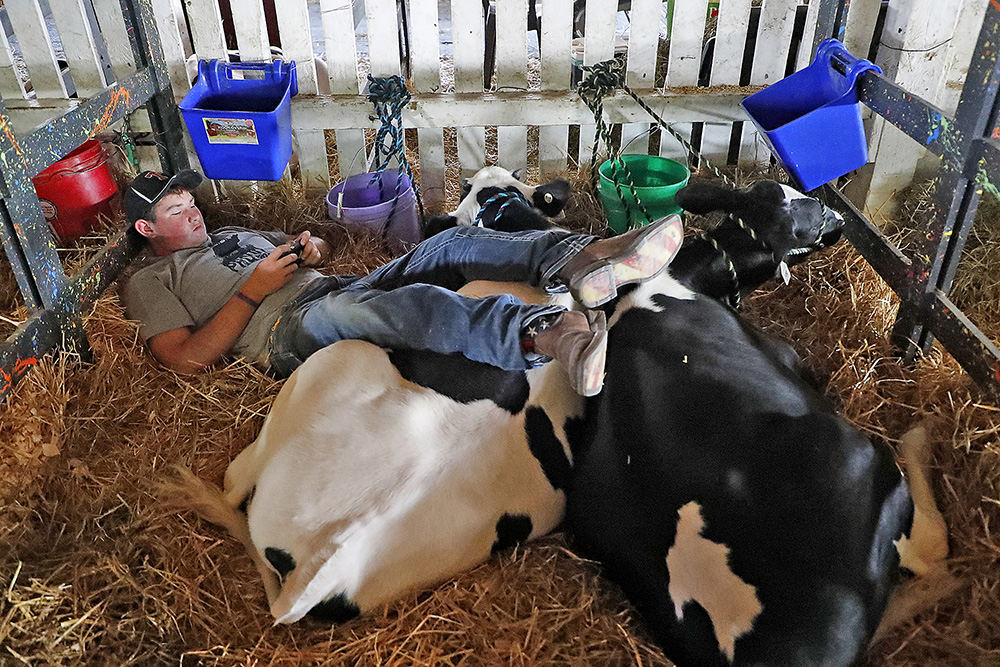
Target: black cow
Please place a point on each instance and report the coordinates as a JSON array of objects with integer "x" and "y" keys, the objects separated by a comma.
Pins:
[{"x": 747, "y": 522}]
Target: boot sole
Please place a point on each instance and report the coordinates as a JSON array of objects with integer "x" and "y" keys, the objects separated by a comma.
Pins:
[
  {"x": 645, "y": 257},
  {"x": 590, "y": 375}
]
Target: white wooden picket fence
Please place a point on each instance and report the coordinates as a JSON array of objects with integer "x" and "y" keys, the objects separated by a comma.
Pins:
[{"x": 452, "y": 109}]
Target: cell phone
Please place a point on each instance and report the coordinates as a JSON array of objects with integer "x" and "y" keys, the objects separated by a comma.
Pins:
[{"x": 295, "y": 249}]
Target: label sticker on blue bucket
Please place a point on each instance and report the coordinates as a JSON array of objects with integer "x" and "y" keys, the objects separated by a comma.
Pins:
[{"x": 230, "y": 131}]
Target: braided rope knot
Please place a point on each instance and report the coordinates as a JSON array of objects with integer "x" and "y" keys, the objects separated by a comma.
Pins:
[
  {"x": 390, "y": 96},
  {"x": 601, "y": 79}
]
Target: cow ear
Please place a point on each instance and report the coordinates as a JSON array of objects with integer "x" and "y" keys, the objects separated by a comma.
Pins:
[
  {"x": 551, "y": 198},
  {"x": 516, "y": 174},
  {"x": 700, "y": 197},
  {"x": 439, "y": 223},
  {"x": 769, "y": 191}
]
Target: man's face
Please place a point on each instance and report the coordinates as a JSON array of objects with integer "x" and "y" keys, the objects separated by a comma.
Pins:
[{"x": 178, "y": 223}]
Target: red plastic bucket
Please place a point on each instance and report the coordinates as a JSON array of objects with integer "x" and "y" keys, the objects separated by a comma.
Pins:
[{"x": 75, "y": 190}]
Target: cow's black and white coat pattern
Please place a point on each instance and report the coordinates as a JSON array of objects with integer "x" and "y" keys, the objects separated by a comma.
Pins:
[
  {"x": 496, "y": 198},
  {"x": 747, "y": 522},
  {"x": 377, "y": 471}
]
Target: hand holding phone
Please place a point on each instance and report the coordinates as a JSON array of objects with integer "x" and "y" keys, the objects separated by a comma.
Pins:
[{"x": 295, "y": 249}]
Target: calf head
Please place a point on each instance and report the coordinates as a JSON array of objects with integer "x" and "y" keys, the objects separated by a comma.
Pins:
[
  {"x": 523, "y": 206},
  {"x": 788, "y": 222}
]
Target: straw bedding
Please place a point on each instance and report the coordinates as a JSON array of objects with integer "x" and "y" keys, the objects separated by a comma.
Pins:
[{"x": 95, "y": 569}]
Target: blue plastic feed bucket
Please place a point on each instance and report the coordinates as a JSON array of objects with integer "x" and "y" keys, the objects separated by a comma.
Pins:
[
  {"x": 242, "y": 128},
  {"x": 812, "y": 119},
  {"x": 364, "y": 203}
]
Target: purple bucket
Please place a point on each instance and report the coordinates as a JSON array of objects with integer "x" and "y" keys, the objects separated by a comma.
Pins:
[{"x": 365, "y": 206}]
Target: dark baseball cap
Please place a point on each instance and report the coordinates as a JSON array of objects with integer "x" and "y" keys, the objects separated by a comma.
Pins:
[{"x": 148, "y": 187}]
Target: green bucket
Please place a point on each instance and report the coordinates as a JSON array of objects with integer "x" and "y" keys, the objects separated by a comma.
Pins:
[{"x": 656, "y": 179}]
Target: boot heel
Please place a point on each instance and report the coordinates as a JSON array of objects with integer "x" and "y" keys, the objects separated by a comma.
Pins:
[{"x": 597, "y": 288}]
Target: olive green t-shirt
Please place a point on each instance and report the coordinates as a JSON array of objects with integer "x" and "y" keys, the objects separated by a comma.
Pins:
[{"x": 188, "y": 287}]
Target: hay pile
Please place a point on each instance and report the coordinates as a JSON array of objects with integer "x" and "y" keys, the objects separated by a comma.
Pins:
[{"x": 94, "y": 570}]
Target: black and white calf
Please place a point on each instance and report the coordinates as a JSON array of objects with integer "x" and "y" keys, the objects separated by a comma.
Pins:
[
  {"x": 495, "y": 198},
  {"x": 747, "y": 522},
  {"x": 767, "y": 228}
]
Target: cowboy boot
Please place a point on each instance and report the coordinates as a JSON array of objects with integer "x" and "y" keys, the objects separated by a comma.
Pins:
[
  {"x": 594, "y": 274},
  {"x": 579, "y": 343}
]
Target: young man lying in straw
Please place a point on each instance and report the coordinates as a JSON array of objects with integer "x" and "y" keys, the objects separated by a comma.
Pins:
[{"x": 204, "y": 295}]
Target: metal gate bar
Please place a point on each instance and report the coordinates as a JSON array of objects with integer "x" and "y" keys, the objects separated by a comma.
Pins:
[{"x": 56, "y": 301}]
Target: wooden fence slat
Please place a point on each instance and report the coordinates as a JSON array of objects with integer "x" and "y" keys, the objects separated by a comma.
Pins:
[
  {"x": 512, "y": 45},
  {"x": 205, "y": 23},
  {"x": 512, "y": 74},
  {"x": 432, "y": 190},
  {"x": 727, "y": 61},
  {"x": 774, "y": 37},
  {"x": 425, "y": 46},
  {"x": 468, "y": 38},
  {"x": 599, "y": 44},
  {"x": 351, "y": 155},
  {"x": 293, "y": 29},
  {"x": 311, "y": 148},
  {"x": 11, "y": 86},
  {"x": 643, "y": 41},
  {"x": 860, "y": 26},
  {"x": 804, "y": 56},
  {"x": 342, "y": 64},
  {"x": 959, "y": 54},
  {"x": 341, "y": 47},
  {"x": 425, "y": 65},
  {"x": 78, "y": 46},
  {"x": 33, "y": 38},
  {"x": 116, "y": 40},
  {"x": 471, "y": 150},
  {"x": 512, "y": 143},
  {"x": 251, "y": 30},
  {"x": 533, "y": 108},
  {"x": 686, "y": 37},
  {"x": 383, "y": 37},
  {"x": 169, "y": 29},
  {"x": 915, "y": 35},
  {"x": 556, "y": 69}
]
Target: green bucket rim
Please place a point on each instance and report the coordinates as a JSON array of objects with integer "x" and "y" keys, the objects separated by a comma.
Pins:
[{"x": 605, "y": 168}]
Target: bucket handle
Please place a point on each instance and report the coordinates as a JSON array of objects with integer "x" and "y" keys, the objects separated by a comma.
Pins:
[
  {"x": 211, "y": 71},
  {"x": 834, "y": 55}
]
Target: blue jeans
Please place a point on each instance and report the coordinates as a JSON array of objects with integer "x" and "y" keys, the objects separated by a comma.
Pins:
[{"x": 410, "y": 302}]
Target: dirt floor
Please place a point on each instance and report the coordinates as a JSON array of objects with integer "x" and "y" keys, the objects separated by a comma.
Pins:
[{"x": 94, "y": 570}]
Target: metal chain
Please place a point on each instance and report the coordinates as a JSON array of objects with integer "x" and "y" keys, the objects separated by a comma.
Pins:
[{"x": 390, "y": 96}]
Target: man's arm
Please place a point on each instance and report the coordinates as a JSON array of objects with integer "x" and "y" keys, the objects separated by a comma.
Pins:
[{"x": 189, "y": 351}]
